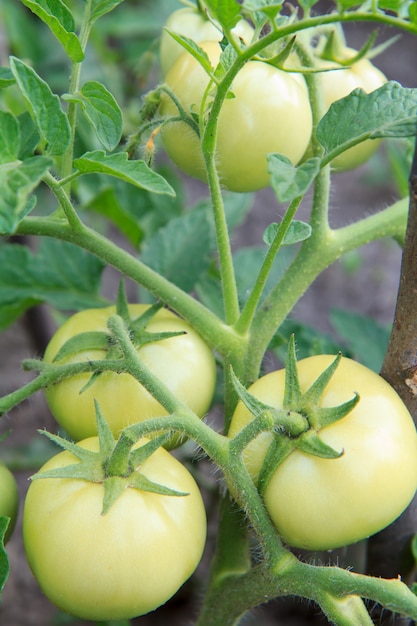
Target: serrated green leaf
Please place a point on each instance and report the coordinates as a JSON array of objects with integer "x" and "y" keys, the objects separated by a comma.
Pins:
[
  {"x": 290, "y": 182},
  {"x": 226, "y": 12},
  {"x": 58, "y": 18},
  {"x": 298, "y": 231},
  {"x": 44, "y": 106},
  {"x": 4, "y": 561},
  {"x": 101, "y": 7},
  {"x": 194, "y": 49},
  {"x": 134, "y": 172},
  {"x": 9, "y": 137},
  {"x": 29, "y": 136},
  {"x": 412, "y": 12},
  {"x": 6, "y": 77},
  {"x": 60, "y": 274},
  {"x": 102, "y": 111},
  {"x": 365, "y": 338},
  {"x": 181, "y": 250},
  {"x": 17, "y": 181},
  {"x": 389, "y": 111}
]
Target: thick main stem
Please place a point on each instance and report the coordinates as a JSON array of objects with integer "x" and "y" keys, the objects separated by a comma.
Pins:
[{"x": 389, "y": 551}]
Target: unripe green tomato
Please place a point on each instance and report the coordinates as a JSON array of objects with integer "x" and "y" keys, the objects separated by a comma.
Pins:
[
  {"x": 341, "y": 82},
  {"x": 122, "y": 564},
  {"x": 269, "y": 113},
  {"x": 193, "y": 24},
  {"x": 322, "y": 504},
  {"x": 185, "y": 364},
  {"x": 9, "y": 498}
]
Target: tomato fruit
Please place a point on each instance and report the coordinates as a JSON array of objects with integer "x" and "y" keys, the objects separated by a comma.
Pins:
[
  {"x": 124, "y": 563},
  {"x": 341, "y": 82},
  {"x": 320, "y": 504},
  {"x": 196, "y": 26},
  {"x": 269, "y": 113},
  {"x": 184, "y": 363},
  {"x": 9, "y": 499}
]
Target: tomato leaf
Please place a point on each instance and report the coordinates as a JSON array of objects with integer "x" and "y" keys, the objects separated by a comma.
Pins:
[
  {"x": 44, "y": 106},
  {"x": 298, "y": 231},
  {"x": 6, "y": 77},
  {"x": 290, "y": 182},
  {"x": 18, "y": 178},
  {"x": 4, "y": 561},
  {"x": 366, "y": 339},
  {"x": 181, "y": 250},
  {"x": 102, "y": 111},
  {"x": 101, "y": 7},
  {"x": 194, "y": 49},
  {"x": 389, "y": 111},
  {"x": 59, "y": 274},
  {"x": 58, "y": 18},
  {"x": 134, "y": 172},
  {"x": 227, "y": 12},
  {"x": 270, "y": 8}
]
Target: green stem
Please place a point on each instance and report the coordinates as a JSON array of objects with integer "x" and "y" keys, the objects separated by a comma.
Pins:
[
  {"x": 315, "y": 255},
  {"x": 217, "y": 334},
  {"x": 64, "y": 201},
  {"x": 244, "y": 322},
  {"x": 74, "y": 83}
]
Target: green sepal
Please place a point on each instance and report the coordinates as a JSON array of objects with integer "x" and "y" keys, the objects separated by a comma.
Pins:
[
  {"x": 280, "y": 448},
  {"x": 91, "y": 340},
  {"x": 139, "y": 455},
  {"x": 114, "y": 486},
  {"x": 310, "y": 443},
  {"x": 105, "y": 435},
  {"x": 292, "y": 390},
  {"x": 329, "y": 415},
  {"x": 140, "y": 336},
  {"x": 92, "y": 473},
  {"x": 312, "y": 396},
  {"x": 70, "y": 446},
  {"x": 291, "y": 423},
  {"x": 279, "y": 59},
  {"x": 122, "y": 306},
  {"x": 139, "y": 481}
]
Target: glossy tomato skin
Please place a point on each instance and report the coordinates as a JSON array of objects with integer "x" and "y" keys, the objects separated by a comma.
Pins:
[
  {"x": 194, "y": 25},
  {"x": 9, "y": 498},
  {"x": 118, "y": 565},
  {"x": 321, "y": 504},
  {"x": 341, "y": 82},
  {"x": 269, "y": 113},
  {"x": 184, "y": 363}
]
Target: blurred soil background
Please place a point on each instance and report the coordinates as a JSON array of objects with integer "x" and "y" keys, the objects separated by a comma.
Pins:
[{"x": 365, "y": 282}]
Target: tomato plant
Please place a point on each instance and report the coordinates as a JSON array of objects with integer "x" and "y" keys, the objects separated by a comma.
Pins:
[
  {"x": 120, "y": 564},
  {"x": 86, "y": 195},
  {"x": 193, "y": 23},
  {"x": 319, "y": 503},
  {"x": 184, "y": 363},
  {"x": 9, "y": 498},
  {"x": 261, "y": 93}
]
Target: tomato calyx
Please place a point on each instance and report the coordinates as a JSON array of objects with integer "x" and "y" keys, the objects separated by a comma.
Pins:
[
  {"x": 116, "y": 465},
  {"x": 106, "y": 341},
  {"x": 298, "y": 423}
]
